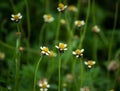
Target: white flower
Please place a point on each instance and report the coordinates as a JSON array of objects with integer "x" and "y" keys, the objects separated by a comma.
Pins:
[
  {"x": 61, "y": 47},
  {"x": 45, "y": 50},
  {"x": 78, "y": 53},
  {"x": 61, "y": 7},
  {"x": 96, "y": 29},
  {"x": 43, "y": 85},
  {"x": 16, "y": 17},
  {"x": 48, "y": 18},
  {"x": 79, "y": 23},
  {"x": 89, "y": 63}
]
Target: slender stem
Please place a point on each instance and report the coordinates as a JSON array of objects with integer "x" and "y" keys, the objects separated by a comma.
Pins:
[
  {"x": 58, "y": 28},
  {"x": 41, "y": 34},
  {"x": 28, "y": 20},
  {"x": 59, "y": 71},
  {"x": 36, "y": 69},
  {"x": 13, "y": 6},
  {"x": 113, "y": 32},
  {"x": 17, "y": 60},
  {"x": 84, "y": 31},
  {"x": 95, "y": 48},
  {"x": 81, "y": 73}
]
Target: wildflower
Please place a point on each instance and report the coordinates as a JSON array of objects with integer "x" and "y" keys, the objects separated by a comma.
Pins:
[
  {"x": 113, "y": 65},
  {"x": 61, "y": 47},
  {"x": 72, "y": 8},
  {"x": 48, "y": 18},
  {"x": 61, "y": 7},
  {"x": 45, "y": 50},
  {"x": 2, "y": 56},
  {"x": 43, "y": 84},
  {"x": 89, "y": 63},
  {"x": 78, "y": 53},
  {"x": 85, "y": 89},
  {"x": 79, "y": 23},
  {"x": 52, "y": 54},
  {"x": 62, "y": 21},
  {"x": 96, "y": 29},
  {"x": 16, "y": 17}
]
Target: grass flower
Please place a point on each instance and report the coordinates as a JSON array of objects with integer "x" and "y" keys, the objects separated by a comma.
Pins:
[
  {"x": 45, "y": 50},
  {"x": 95, "y": 29},
  {"x": 52, "y": 54},
  {"x": 48, "y": 18},
  {"x": 89, "y": 63},
  {"x": 61, "y": 47},
  {"x": 72, "y": 8},
  {"x": 61, "y": 7},
  {"x": 78, "y": 53},
  {"x": 2, "y": 56},
  {"x": 79, "y": 23},
  {"x": 43, "y": 85},
  {"x": 16, "y": 17}
]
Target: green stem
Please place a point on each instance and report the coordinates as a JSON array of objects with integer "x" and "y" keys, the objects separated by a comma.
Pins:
[
  {"x": 81, "y": 73},
  {"x": 13, "y": 6},
  {"x": 58, "y": 28},
  {"x": 95, "y": 48},
  {"x": 113, "y": 32},
  {"x": 85, "y": 28},
  {"x": 59, "y": 71},
  {"x": 37, "y": 66},
  {"x": 42, "y": 34},
  {"x": 17, "y": 60},
  {"x": 28, "y": 20}
]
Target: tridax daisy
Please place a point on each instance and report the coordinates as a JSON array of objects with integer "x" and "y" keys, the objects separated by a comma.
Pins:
[
  {"x": 89, "y": 63},
  {"x": 72, "y": 8},
  {"x": 61, "y": 47},
  {"x": 96, "y": 29},
  {"x": 79, "y": 23},
  {"x": 43, "y": 85},
  {"x": 78, "y": 53},
  {"x": 52, "y": 54},
  {"x": 61, "y": 7},
  {"x": 45, "y": 50},
  {"x": 16, "y": 17},
  {"x": 48, "y": 18}
]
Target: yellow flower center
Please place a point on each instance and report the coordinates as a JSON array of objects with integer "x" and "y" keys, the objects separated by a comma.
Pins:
[
  {"x": 71, "y": 8},
  {"x": 61, "y": 6},
  {"x": 45, "y": 49},
  {"x": 44, "y": 85},
  {"x": 78, "y": 52},
  {"x": 79, "y": 23},
  {"x": 16, "y": 17},
  {"x": 48, "y": 17},
  {"x": 90, "y": 63},
  {"x": 61, "y": 46}
]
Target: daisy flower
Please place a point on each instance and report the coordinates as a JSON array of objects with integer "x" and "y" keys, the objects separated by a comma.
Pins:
[
  {"x": 48, "y": 18},
  {"x": 61, "y": 47},
  {"x": 43, "y": 85},
  {"x": 79, "y": 23},
  {"x": 16, "y": 17},
  {"x": 96, "y": 29},
  {"x": 61, "y": 7},
  {"x": 89, "y": 63},
  {"x": 78, "y": 53},
  {"x": 45, "y": 50}
]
